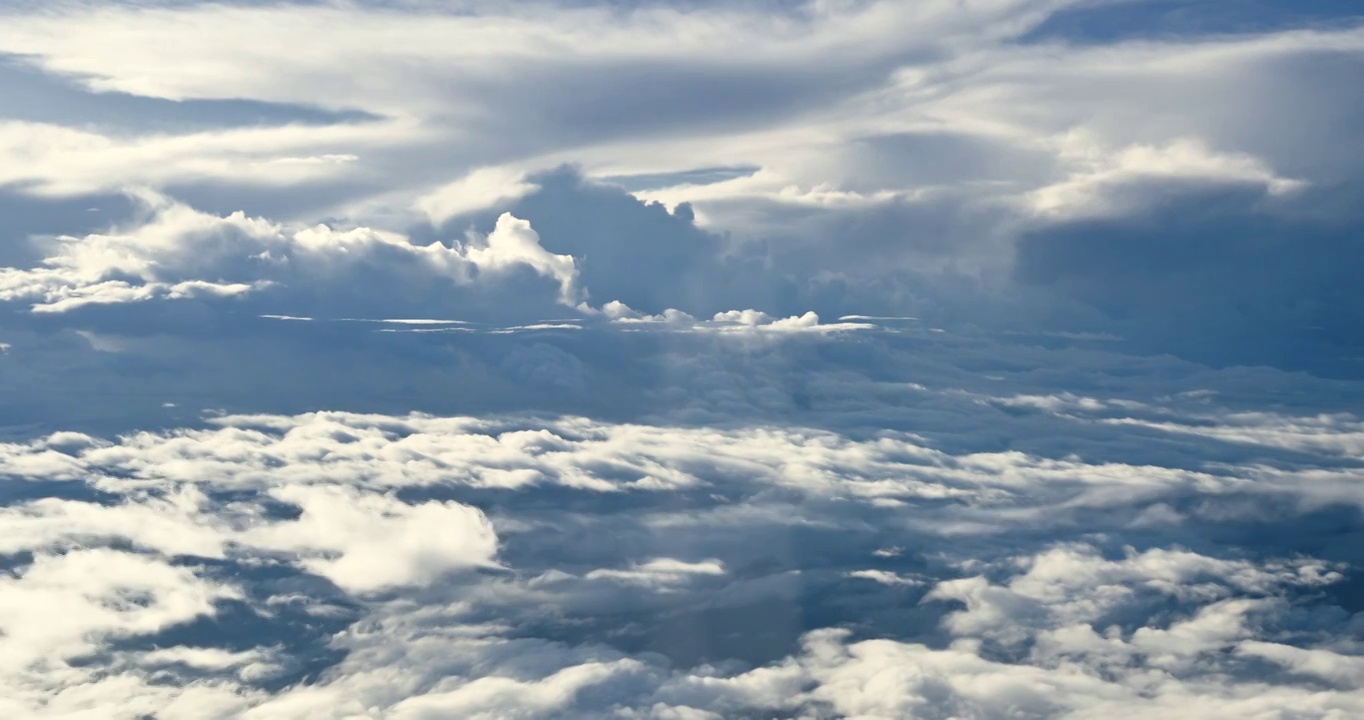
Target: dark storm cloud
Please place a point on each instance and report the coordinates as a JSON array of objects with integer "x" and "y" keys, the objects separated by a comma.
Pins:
[{"x": 1212, "y": 275}]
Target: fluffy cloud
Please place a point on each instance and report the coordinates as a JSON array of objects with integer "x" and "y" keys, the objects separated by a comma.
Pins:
[
  {"x": 182, "y": 253},
  {"x": 370, "y": 543},
  {"x": 60, "y": 607},
  {"x": 705, "y": 526},
  {"x": 968, "y": 109}
]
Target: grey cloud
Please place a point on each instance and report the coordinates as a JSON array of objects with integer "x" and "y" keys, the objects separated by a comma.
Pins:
[
  {"x": 27, "y": 216},
  {"x": 1214, "y": 277},
  {"x": 636, "y": 253}
]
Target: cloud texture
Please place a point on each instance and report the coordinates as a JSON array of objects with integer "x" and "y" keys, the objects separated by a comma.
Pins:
[
  {"x": 681, "y": 360},
  {"x": 878, "y": 577}
]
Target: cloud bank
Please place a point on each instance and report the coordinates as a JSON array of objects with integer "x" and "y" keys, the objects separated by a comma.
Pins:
[{"x": 597, "y": 544}]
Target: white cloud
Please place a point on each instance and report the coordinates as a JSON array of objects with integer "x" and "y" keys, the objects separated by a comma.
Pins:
[
  {"x": 420, "y": 451},
  {"x": 660, "y": 572},
  {"x": 173, "y": 525},
  {"x": 1084, "y": 631},
  {"x": 1338, "y": 434},
  {"x": 885, "y": 577},
  {"x": 55, "y": 160},
  {"x": 366, "y": 542},
  {"x": 477, "y": 45},
  {"x": 1067, "y": 586},
  {"x": 1046, "y": 127},
  {"x": 732, "y": 322},
  {"x": 513, "y": 243},
  {"x": 207, "y": 658},
  {"x": 1326, "y": 664},
  {"x": 182, "y": 253},
  {"x": 481, "y": 189},
  {"x": 498, "y": 697},
  {"x": 1095, "y": 187},
  {"x": 63, "y": 606}
]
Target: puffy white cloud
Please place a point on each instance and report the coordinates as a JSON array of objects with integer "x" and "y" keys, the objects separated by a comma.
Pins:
[
  {"x": 365, "y": 542},
  {"x": 1067, "y": 586},
  {"x": 496, "y": 697},
  {"x": 181, "y": 253},
  {"x": 63, "y": 606},
  {"x": 1050, "y": 126},
  {"x": 172, "y": 525},
  {"x": 512, "y": 243}
]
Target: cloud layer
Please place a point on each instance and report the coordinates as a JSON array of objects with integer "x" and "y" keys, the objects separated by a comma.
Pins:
[
  {"x": 681, "y": 360},
  {"x": 611, "y": 564}
]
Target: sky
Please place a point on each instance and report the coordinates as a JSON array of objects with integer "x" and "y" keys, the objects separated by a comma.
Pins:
[{"x": 682, "y": 360}]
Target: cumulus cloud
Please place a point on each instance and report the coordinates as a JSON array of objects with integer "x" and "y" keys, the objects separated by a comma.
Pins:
[
  {"x": 514, "y": 243},
  {"x": 371, "y": 542},
  {"x": 180, "y": 253}
]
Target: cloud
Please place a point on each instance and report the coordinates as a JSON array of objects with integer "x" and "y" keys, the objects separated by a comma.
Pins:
[
  {"x": 936, "y": 160},
  {"x": 733, "y": 322},
  {"x": 180, "y": 253},
  {"x": 514, "y": 243},
  {"x": 54, "y": 160},
  {"x": 64, "y": 606},
  {"x": 171, "y": 525},
  {"x": 1091, "y": 193},
  {"x": 479, "y": 190},
  {"x": 378, "y": 542},
  {"x": 660, "y": 571},
  {"x": 602, "y": 548},
  {"x": 1213, "y": 275},
  {"x": 680, "y": 360}
]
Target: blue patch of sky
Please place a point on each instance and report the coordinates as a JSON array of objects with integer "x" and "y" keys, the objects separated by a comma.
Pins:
[
  {"x": 698, "y": 176},
  {"x": 35, "y": 96},
  {"x": 1158, "y": 19}
]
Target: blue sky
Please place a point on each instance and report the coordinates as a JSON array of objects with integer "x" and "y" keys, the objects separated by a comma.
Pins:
[{"x": 826, "y": 359}]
